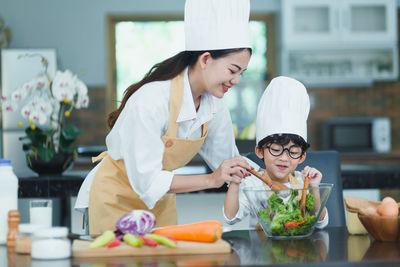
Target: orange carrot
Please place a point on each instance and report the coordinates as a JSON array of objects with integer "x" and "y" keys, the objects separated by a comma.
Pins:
[{"x": 204, "y": 231}]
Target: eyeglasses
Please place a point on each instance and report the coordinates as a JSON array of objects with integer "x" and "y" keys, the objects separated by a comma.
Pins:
[{"x": 276, "y": 150}]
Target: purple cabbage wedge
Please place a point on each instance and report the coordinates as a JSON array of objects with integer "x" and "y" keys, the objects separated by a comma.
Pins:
[{"x": 136, "y": 222}]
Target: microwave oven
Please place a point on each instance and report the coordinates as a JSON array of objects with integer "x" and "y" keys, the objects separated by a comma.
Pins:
[{"x": 357, "y": 134}]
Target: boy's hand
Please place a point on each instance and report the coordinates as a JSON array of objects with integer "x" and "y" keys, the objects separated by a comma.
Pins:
[{"x": 314, "y": 174}]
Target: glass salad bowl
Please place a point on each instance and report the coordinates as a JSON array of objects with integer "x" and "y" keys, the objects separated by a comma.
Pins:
[{"x": 281, "y": 213}]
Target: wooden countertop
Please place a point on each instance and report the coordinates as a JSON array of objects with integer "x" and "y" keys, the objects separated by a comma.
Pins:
[{"x": 332, "y": 246}]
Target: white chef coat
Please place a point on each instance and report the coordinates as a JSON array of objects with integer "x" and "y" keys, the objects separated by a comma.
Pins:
[
  {"x": 136, "y": 138},
  {"x": 244, "y": 205}
]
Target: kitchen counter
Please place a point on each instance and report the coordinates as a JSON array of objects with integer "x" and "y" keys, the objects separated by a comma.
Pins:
[{"x": 332, "y": 247}]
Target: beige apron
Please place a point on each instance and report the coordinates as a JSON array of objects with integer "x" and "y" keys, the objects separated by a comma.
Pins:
[{"x": 111, "y": 194}]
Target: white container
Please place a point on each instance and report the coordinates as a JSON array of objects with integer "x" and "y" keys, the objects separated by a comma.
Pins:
[
  {"x": 51, "y": 243},
  {"x": 23, "y": 240},
  {"x": 8, "y": 196}
]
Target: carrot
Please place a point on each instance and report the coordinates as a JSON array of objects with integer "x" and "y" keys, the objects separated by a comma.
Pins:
[{"x": 204, "y": 231}]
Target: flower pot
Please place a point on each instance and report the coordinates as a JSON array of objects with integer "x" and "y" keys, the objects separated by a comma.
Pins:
[{"x": 57, "y": 165}]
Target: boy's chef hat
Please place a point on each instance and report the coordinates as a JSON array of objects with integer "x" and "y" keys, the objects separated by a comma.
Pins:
[
  {"x": 217, "y": 24},
  {"x": 283, "y": 108}
]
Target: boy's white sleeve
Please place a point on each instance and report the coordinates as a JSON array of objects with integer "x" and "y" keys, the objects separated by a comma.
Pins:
[
  {"x": 244, "y": 205},
  {"x": 322, "y": 224}
]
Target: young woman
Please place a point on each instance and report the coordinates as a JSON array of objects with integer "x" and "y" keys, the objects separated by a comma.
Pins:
[{"x": 174, "y": 112}]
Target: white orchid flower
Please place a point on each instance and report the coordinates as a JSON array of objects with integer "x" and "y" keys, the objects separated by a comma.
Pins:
[
  {"x": 41, "y": 100},
  {"x": 29, "y": 109},
  {"x": 41, "y": 103},
  {"x": 29, "y": 86},
  {"x": 41, "y": 82},
  {"x": 56, "y": 109},
  {"x": 26, "y": 111},
  {"x": 80, "y": 87},
  {"x": 82, "y": 95},
  {"x": 55, "y": 104},
  {"x": 82, "y": 101},
  {"x": 9, "y": 105},
  {"x": 63, "y": 87},
  {"x": 38, "y": 117},
  {"x": 19, "y": 94},
  {"x": 44, "y": 106}
]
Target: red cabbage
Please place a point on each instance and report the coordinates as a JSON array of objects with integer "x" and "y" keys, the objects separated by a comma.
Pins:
[{"x": 136, "y": 222}]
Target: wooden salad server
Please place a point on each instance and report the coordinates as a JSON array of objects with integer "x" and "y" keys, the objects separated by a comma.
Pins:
[
  {"x": 274, "y": 185},
  {"x": 304, "y": 196}
]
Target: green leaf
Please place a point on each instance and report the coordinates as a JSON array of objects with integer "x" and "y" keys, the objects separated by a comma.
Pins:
[
  {"x": 37, "y": 137},
  {"x": 70, "y": 132},
  {"x": 46, "y": 154},
  {"x": 310, "y": 202},
  {"x": 26, "y": 147},
  {"x": 68, "y": 135}
]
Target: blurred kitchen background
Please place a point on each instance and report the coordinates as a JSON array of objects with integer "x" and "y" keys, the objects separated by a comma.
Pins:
[{"x": 344, "y": 51}]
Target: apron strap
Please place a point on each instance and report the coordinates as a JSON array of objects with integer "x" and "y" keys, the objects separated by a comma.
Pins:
[
  {"x": 101, "y": 156},
  {"x": 175, "y": 104}
]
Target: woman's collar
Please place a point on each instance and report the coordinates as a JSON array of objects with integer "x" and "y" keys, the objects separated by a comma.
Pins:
[{"x": 188, "y": 110}]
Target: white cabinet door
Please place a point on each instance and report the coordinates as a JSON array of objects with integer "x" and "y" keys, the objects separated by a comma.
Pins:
[
  {"x": 339, "y": 22},
  {"x": 309, "y": 21},
  {"x": 339, "y": 42},
  {"x": 368, "y": 21}
]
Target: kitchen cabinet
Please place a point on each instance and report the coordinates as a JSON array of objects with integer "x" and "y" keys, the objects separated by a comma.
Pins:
[
  {"x": 337, "y": 22},
  {"x": 343, "y": 42}
]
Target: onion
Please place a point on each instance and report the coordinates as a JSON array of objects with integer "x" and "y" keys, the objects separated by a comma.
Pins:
[{"x": 136, "y": 222}]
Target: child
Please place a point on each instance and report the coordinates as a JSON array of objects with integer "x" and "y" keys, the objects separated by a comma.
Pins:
[{"x": 281, "y": 137}]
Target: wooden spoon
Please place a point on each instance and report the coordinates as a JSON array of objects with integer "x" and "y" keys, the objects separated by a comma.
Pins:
[
  {"x": 272, "y": 184},
  {"x": 302, "y": 206}
]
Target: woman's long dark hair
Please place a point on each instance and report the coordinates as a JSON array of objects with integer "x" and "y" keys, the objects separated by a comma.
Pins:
[{"x": 167, "y": 70}]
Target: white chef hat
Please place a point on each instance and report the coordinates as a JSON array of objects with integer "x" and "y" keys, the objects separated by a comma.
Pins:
[
  {"x": 217, "y": 24},
  {"x": 283, "y": 108}
]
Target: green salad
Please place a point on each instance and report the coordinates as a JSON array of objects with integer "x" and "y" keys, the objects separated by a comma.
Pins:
[{"x": 284, "y": 219}]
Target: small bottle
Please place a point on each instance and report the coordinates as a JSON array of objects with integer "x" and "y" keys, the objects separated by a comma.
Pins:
[
  {"x": 24, "y": 237},
  {"x": 8, "y": 196},
  {"x": 51, "y": 243},
  {"x": 13, "y": 222}
]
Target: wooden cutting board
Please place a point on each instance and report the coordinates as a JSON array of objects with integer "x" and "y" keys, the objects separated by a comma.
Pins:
[{"x": 80, "y": 248}]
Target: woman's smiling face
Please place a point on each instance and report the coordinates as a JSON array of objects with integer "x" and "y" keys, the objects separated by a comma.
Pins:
[{"x": 222, "y": 73}]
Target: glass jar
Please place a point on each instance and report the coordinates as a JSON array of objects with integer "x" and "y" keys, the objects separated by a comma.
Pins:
[
  {"x": 51, "y": 243},
  {"x": 24, "y": 238}
]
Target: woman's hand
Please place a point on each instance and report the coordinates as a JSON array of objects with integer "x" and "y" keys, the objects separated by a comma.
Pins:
[
  {"x": 231, "y": 170},
  {"x": 314, "y": 174}
]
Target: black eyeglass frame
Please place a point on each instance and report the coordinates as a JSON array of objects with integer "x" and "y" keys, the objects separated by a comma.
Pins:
[{"x": 283, "y": 150}]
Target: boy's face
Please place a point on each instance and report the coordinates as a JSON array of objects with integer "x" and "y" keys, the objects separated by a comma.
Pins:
[{"x": 279, "y": 167}]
